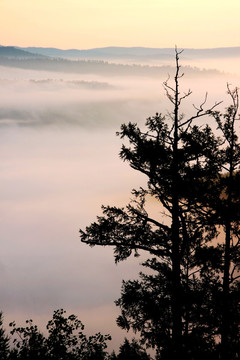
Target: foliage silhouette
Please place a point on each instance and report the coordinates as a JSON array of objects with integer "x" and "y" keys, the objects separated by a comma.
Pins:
[{"x": 65, "y": 341}]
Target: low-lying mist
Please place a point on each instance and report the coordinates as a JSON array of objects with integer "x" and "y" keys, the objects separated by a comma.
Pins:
[{"x": 59, "y": 164}]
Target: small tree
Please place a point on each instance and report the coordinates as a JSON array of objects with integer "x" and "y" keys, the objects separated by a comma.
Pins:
[
  {"x": 66, "y": 339},
  {"x": 132, "y": 351},
  {"x": 29, "y": 342}
]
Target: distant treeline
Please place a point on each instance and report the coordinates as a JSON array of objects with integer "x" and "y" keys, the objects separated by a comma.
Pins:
[
  {"x": 97, "y": 67},
  {"x": 92, "y": 85}
]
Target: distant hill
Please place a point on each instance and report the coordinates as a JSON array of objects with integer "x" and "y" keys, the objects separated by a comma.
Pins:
[
  {"x": 11, "y": 51},
  {"x": 103, "y": 53},
  {"x": 135, "y": 53}
]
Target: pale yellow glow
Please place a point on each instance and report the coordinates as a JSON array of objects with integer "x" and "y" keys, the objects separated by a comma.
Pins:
[{"x": 93, "y": 23}]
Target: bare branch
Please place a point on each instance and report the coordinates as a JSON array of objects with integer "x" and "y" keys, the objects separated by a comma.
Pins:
[
  {"x": 201, "y": 112},
  {"x": 165, "y": 85},
  {"x": 185, "y": 95}
]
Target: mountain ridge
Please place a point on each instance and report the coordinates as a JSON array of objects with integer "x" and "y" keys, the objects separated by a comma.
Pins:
[
  {"x": 128, "y": 53},
  {"x": 12, "y": 51}
]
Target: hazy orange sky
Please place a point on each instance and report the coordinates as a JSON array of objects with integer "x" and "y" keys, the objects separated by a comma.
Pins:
[{"x": 87, "y": 24}]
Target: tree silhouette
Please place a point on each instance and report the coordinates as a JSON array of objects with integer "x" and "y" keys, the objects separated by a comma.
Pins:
[
  {"x": 170, "y": 153},
  {"x": 226, "y": 207}
]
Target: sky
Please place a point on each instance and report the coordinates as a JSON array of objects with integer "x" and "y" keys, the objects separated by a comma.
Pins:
[{"x": 85, "y": 24}]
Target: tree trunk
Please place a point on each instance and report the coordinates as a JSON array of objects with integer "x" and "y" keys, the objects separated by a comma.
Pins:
[
  {"x": 226, "y": 281},
  {"x": 176, "y": 278}
]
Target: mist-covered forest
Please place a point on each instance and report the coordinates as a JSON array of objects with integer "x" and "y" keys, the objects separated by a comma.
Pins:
[
  {"x": 96, "y": 67},
  {"x": 60, "y": 163}
]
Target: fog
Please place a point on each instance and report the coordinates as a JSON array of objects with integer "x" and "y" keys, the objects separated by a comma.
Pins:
[{"x": 59, "y": 164}]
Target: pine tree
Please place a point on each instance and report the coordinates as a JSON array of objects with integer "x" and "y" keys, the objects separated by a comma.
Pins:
[{"x": 169, "y": 152}]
